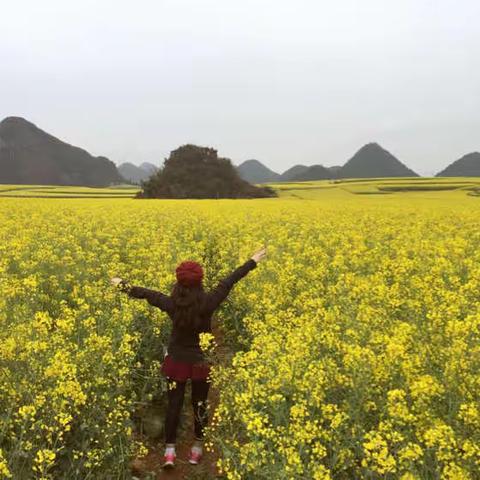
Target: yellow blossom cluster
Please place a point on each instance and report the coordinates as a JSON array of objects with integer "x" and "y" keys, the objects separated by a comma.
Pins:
[
  {"x": 354, "y": 347},
  {"x": 359, "y": 346}
]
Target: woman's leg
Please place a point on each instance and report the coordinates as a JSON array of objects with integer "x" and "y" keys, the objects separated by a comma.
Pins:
[
  {"x": 175, "y": 402},
  {"x": 199, "y": 404}
]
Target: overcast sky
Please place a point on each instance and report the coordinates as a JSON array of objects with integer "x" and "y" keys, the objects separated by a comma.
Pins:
[{"x": 285, "y": 82}]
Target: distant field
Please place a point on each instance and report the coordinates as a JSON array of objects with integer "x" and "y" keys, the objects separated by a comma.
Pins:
[
  {"x": 310, "y": 190},
  {"x": 377, "y": 186},
  {"x": 59, "y": 191}
]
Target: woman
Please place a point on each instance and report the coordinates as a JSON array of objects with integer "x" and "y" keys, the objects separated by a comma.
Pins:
[{"x": 190, "y": 309}]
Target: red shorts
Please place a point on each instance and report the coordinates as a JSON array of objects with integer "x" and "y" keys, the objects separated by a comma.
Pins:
[{"x": 182, "y": 371}]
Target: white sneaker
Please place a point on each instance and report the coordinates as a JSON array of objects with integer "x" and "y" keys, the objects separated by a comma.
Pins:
[{"x": 195, "y": 455}]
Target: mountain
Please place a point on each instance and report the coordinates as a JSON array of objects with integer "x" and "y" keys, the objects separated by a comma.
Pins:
[
  {"x": 467, "y": 166},
  {"x": 29, "y": 155},
  {"x": 132, "y": 173},
  {"x": 135, "y": 174},
  {"x": 292, "y": 172},
  {"x": 373, "y": 161},
  {"x": 335, "y": 170},
  {"x": 148, "y": 167},
  {"x": 315, "y": 172},
  {"x": 254, "y": 171}
]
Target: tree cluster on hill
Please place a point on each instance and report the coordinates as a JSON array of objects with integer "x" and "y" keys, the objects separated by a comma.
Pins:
[{"x": 192, "y": 171}]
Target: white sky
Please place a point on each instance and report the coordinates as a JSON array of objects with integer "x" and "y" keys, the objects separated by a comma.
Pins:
[{"x": 286, "y": 82}]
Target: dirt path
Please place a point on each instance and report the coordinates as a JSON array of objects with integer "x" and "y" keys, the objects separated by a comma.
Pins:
[{"x": 150, "y": 466}]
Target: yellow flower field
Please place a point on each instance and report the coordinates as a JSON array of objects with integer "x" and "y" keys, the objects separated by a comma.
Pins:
[{"x": 356, "y": 342}]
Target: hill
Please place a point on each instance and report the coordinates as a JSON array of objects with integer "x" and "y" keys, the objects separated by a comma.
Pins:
[
  {"x": 335, "y": 170},
  {"x": 292, "y": 172},
  {"x": 467, "y": 166},
  {"x": 372, "y": 161},
  {"x": 28, "y": 155},
  {"x": 315, "y": 172},
  {"x": 136, "y": 174},
  {"x": 148, "y": 167},
  {"x": 198, "y": 172},
  {"x": 254, "y": 171}
]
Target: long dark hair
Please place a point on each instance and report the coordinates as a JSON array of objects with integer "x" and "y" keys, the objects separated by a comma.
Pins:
[{"x": 189, "y": 303}]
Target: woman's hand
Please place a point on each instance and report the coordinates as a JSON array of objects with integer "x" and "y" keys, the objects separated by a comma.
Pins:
[
  {"x": 259, "y": 254},
  {"x": 115, "y": 281}
]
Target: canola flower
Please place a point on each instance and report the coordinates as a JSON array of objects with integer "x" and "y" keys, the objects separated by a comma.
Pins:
[
  {"x": 355, "y": 348},
  {"x": 4, "y": 471}
]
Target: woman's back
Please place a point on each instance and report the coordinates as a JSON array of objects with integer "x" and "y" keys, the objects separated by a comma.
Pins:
[
  {"x": 188, "y": 323},
  {"x": 184, "y": 342}
]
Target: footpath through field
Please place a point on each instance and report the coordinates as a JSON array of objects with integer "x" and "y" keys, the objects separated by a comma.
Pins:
[{"x": 150, "y": 466}]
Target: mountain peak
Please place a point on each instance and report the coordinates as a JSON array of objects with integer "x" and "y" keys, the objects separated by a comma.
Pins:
[
  {"x": 19, "y": 131},
  {"x": 252, "y": 161},
  {"x": 472, "y": 155},
  {"x": 254, "y": 171},
  {"x": 314, "y": 172},
  {"x": 467, "y": 166},
  {"x": 293, "y": 172},
  {"x": 16, "y": 126},
  {"x": 148, "y": 167},
  {"x": 372, "y": 147},
  {"x": 372, "y": 161},
  {"x": 15, "y": 121}
]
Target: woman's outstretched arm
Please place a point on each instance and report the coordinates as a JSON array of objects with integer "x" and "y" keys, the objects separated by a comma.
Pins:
[
  {"x": 153, "y": 297},
  {"x": 221, "y": 291}
]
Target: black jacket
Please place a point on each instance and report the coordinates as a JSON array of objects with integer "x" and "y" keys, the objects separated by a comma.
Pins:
[{"x": 184, "y": 343}]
